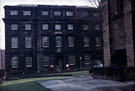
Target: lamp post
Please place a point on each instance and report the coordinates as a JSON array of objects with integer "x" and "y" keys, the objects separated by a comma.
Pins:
[{"x": 80, "y": 62}]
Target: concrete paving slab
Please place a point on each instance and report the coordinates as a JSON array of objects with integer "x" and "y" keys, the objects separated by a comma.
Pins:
[{"x": 83, "y": 83}]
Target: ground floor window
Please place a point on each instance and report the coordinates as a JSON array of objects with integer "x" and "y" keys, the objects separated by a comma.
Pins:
[
  {"x": 14, "y": 62},
  {"x": 28, "y": 62},
  {"x": 71, "y": 60},
  {"x": 87, "y": 59},
  {"x": 46, "y": 60}
]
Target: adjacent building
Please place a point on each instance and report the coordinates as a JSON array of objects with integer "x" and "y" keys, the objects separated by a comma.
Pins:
[
  {"x": 118, "y": 25},
  {"x": 44, "y": 38}
]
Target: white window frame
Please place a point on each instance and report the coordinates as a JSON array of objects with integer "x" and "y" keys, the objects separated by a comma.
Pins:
[
  {"x": 71, "y": 60},
  {"x": 70, "y": 26},
  {"x": 46, "y": 61},
  {"x": 86, "y": 41},
  {"x": 71, "y": 41},
  {"x": 45, "y": 26},
  {"x": 13, "y": 12},
  {"x": 14, "y": 26},
  {"x": 28, "y": 42},
  {"x": 45, "y": 41},
  {"x": 45, "y": 13},
  {"x": 69, "y": 13},
  {"x": 14, "y": 61},
  {"x": 58, "y": 41},
  {"x": 57, "y": 13},
  {"x": 28, "y": 26},
  {"x": 57, "y": 26},
  {"x": 85, "y": 27},
  {"x": 28, "y": 61},
  {"x": 27, "y": 13},
  {"x": 14, "y": 42}
]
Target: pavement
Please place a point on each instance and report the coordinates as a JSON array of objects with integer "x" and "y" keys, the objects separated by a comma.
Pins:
[{"x": 80, "y": 83}]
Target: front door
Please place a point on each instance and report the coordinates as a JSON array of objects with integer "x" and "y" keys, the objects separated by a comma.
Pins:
[{"x": 59, "y": 63}]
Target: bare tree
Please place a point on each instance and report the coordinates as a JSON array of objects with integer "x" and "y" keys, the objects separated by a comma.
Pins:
[{"x": 94, "y": 3}]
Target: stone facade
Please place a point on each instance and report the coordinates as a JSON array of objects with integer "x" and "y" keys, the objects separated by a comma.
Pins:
[
  {"x": 118, "y": 35},
  {"x": 57, "y": 57}
]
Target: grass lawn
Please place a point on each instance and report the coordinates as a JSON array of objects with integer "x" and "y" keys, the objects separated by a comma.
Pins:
[
  {"x": 78, "y": 73},
  {"x": 28, "y": 84}
]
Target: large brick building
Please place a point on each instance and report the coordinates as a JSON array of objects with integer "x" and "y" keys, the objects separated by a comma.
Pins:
[{"x": 43, "y": 38}]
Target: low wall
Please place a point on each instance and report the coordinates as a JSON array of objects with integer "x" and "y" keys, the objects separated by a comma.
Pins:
[{"x": 113, "y": 73}]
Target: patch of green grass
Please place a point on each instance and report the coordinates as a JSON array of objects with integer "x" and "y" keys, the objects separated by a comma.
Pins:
[
  {"x": 27, "y": 84},
  {"x": 78, "y": 73}
]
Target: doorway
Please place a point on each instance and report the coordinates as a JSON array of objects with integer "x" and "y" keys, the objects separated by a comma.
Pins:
[{"x": 59, "y": 63}]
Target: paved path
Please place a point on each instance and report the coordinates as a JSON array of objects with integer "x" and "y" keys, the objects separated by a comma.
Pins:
[{"x": 82, "y": 83}]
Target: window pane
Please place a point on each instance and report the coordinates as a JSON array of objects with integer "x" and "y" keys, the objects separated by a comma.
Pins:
[
  {"x": 86, "y": 41},
  {"x": 46, "y": 61},
  {"x": 87, "y": 59},
  {"x": 98, "y": 42},
  {"x": 69, "y": 13},
  {"x": 13, "y": 12},
  {"x": 57, "y": 13},
  {"x": 14, "y": 42},
  {"x": 72, "y": 60},
  {"x": 70, "y": 27},
  {"x": 28, "y": 62},
  {"x": 14, "y": 26},
  {"x": 28, "y": 42},
  {"x": 25, "y": 13},
  {"x": 44, "y": 26},
  {"x": 58, "y": 41},
  {"x": 27, "y": 26},
  {"x": 45, "y": 13},
  {"x": 45, "y": 41},
  {"x": 97, "y": 27},
  {"x": 14, "y": 62},
  {"x": 70, "y": 41},
  {"x": 85, "y": 27},
  {"x": 57, "y": 27}
]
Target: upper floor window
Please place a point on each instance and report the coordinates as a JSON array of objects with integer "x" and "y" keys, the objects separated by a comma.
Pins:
[
  {"x": 86, "y": 41},
  {"x": 27, "y": 13},
  {"x": 14, "y": 26},
  {"x": 13, "y": 12},
  {"x": 58, "y": 41},
  {"x": 69, "y": 13},
  {"x": 70, "y": 26},
  {"x": 45, "y": 13},
  {"x": 87, "y": 59},
  {"x": 98, "y": 41},
  {"x": 85, "y": 27},
  {"x": 14, "y": 61},
  {"x": 14, "y": 42},
  {"x": 72, "y": 60},
  {"x": 28, "y": 42},
  {"x": 58, "y": 27},
  {"x": 45, "y": 26},
  {"x": 97, "y": 27},
  {"x": 85, "y": 14},
  {"x": 70, "y": 41},
  {"x": 57, "y": 13},
  {"x": 28, "y": 61},
  {"x": 27, "y": 26},
  {"x": 46, "y": 60},
  {"x": 45, "y": 41}
]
